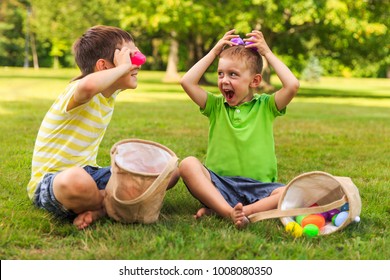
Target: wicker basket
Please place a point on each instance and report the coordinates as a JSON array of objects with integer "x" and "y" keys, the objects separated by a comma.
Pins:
[
  {"x": 141, "y": 171},
  {"x": 320, "y": 188}
]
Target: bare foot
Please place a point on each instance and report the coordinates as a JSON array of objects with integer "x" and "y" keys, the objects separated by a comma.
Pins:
[
  {"x": 203, "y": 212},
  {"x": 238, "y": 216},
  {"x": 86, "y": 218}
]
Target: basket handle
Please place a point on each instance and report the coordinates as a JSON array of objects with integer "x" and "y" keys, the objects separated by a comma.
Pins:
[{"x": 277, "y": 213}]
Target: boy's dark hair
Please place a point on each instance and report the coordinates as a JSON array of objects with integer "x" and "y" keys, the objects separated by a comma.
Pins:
[
  {"x": 249, "y": 56},
  {"x": 98, "y": 42}
]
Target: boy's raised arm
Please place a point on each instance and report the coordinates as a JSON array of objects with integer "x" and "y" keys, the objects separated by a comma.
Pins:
[
  {"x": 190, "y": 81},
  {"x": 104, "y": 77},
  {"x": 290, "y": 83}
]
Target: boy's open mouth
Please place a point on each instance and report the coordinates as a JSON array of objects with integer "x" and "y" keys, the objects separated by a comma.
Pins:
[{"x": 228, "y": 94}]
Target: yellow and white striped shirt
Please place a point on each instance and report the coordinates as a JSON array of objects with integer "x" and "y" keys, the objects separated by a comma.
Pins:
[{"x": 70, "y": 138}]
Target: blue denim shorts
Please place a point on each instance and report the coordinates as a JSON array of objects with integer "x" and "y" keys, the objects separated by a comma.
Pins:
[
  {"x": 44, "y": 195},
  {"x": 237, "y": 189}
]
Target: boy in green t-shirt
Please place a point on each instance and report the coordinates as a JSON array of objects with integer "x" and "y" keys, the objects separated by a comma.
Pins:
[{"x": 240, "y": 172}]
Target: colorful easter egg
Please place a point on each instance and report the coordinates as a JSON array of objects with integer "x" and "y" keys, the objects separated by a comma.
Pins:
[
  {"x": 299, "y": 218},
  {"x": 340, "y": 219},
  {"x": 314, "y": 219},
  {"x": 294, "y": 229},
  {"x": 345, "y": 207},
  {"x": 332, "y": 212},
  {"x": 311, "y": 230}
]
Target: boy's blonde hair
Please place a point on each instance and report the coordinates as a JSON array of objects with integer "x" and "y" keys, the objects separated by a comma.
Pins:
[
  {"x": 98, "y": 42},
  {"x": 249, "y": 56}
]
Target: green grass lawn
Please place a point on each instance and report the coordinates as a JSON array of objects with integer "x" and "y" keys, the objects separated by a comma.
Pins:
[{"x": 340, "y": 126}]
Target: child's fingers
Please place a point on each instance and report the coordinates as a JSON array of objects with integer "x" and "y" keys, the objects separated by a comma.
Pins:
[
  {"x": 254, "y": 34},
  {"x": 122, "y": 56},
  {"x": 230, "y": 32},
  {"x": 125, "y": 50}
]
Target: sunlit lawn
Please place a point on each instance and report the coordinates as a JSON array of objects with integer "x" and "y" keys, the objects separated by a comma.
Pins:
[{"x": 340, "y": 126}]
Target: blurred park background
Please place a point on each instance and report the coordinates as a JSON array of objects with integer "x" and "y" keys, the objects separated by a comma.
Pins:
[
  {"x": 343, "y": 38},
  {"x": 338, "y": 123}
]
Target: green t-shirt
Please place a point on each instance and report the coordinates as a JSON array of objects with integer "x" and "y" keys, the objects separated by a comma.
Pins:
[{"x": 241, "y": 141}]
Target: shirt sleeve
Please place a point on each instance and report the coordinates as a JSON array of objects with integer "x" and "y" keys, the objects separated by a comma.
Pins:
[
  {"x": 64, "y": 98},
  {"x": 210, "y": 102},
  {"x": 273, "y": 108}
]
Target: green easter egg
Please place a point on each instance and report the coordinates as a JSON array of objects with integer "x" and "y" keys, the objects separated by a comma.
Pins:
[
  {"x": 311, "y": 230},
  {"x": 299, "y": 219},
  {"x": 334, "y": 219}
]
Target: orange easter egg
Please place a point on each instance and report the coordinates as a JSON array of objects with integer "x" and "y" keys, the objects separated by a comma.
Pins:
[{"x": 314, "y": 219}]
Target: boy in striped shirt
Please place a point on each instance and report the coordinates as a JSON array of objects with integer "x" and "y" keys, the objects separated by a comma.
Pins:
[{"x": 66, "y": 179}]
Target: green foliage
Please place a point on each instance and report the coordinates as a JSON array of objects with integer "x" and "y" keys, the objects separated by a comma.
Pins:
[
  {"x": 349, "y": 37},
  {"x": 12, "y": 41},
  {"x": 338, "y": 125}
]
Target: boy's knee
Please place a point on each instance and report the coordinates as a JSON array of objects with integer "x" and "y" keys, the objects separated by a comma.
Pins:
[
  {"x": 73, "y": 181},
  {"x": 187, "y": 164}
]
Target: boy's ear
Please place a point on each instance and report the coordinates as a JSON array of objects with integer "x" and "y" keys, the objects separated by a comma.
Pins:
[
  {"x": 101, "y": 64},
  {"x": 256, "y": 81}
]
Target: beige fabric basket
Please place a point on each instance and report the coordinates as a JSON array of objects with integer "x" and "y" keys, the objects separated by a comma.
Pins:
[
  {"x": 328, "y": 191},
  {"x": 140, "y": 174}
]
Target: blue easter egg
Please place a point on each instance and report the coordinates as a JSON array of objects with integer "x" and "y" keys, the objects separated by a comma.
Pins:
[{"x": 340, "y": 219}]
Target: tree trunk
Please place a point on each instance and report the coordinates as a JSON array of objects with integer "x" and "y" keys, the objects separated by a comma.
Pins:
[
  {"x": 171, "y": 74},
  {"x": 199, "y": 53},
  {"x": 266, "y": 75},
  {"x": 56, "y": 62},
  {"x": 34, "y": 52},
  {"x": 191, "y": 55},
  {"x": 27, "y": 38}
]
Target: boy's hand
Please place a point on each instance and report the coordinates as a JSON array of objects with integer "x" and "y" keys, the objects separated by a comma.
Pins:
[
  {"x": 122, "y": 56},
  {"x": 257, "y": 39},
  {"x": 224, "y": 41}
]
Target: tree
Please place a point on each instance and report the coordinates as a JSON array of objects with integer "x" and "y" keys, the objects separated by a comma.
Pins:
[
  {"x": 59, "y": 23},
  {"x": 13, "y": 39},
  {"x": 196, "y": 25},
  {"x": 349, "y": 32},
  {"x": 347, "y": 36},
  {"x": 159, "y": 20},
  {"x": 341, "y": 33}
]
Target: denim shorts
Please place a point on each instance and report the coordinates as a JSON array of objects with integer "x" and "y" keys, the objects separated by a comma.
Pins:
[
  {"x": 237, "y": 189},
  {"x": 44, "y": 195}
]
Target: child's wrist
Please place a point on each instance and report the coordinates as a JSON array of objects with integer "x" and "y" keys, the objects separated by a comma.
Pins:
[
  {"x": 267, "y": 53},
  {"x": 125, "y": 68},
  {"x": 216, "y": 52}
]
